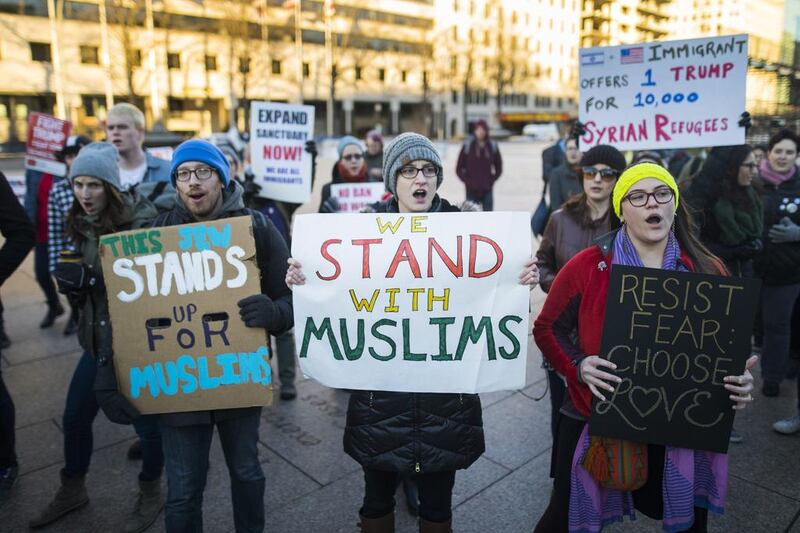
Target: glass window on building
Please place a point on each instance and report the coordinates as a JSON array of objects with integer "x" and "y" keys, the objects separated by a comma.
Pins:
[
  {"x": 358, "y": 73},
  {"x": 403, "y": 75},
  {"x": 276, "y": 66},
  {"x": 173, "y": 60},
  {"x": 306, "y": 70},
  {"x": 382, "y": 74},
  {"x": 244, "y": 65},
  {"x": 135, "y": 57},
  {"x": 90, "y": 55},
  {"x": 41, "y": 52},
  {"x": 211, "y": 63}
]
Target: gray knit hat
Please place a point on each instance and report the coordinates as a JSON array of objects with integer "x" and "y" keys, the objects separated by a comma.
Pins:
[
  {"x": 97, "y": 160},
  {"x": 404, "y": 149}
]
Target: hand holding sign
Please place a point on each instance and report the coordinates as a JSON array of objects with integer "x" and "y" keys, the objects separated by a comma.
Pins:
[
  {"x": 590, "y": 373},
  {"x": 294, "y": 274},
  {"x": 742, "y": 386}
]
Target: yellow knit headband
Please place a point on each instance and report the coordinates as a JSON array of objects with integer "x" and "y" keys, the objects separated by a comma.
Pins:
[{"x": 637, "y": 173}]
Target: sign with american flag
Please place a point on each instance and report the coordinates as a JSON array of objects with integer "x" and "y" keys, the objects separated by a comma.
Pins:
[
  {"x": 631, "y": 55},
  {"x": 664, "y": 94}
]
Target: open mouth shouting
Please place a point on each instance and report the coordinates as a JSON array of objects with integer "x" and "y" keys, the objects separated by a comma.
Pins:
[{"x": 654, "y": 220}]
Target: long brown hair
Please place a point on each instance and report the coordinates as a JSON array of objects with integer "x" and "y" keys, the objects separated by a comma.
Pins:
[
  {"x": 578, "y": 208},
  {"x": 108, "y": 221},
  {"x": 686, "y": 232}
]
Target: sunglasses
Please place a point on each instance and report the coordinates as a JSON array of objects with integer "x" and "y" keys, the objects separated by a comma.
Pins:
[
  {"x": 607, "y": 174},
  {"x": 352, "y": 157}
]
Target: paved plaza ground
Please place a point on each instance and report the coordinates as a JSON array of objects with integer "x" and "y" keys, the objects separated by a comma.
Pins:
[{"x": 312, "y": 486}]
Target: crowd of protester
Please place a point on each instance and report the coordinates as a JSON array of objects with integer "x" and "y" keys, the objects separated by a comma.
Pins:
[{"x": 731, "y": 210}]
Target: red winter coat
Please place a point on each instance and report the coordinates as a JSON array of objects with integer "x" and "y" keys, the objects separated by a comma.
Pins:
[{"x": 577, "y": 301}]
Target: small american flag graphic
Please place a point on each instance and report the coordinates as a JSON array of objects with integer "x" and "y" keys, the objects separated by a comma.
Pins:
[{"x": 632, "y": 55}]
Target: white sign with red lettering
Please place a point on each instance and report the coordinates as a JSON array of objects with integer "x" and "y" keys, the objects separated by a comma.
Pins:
[
  {"x": 46, "y": 137},
  {"x": 353, "y": 197},
  {"x": 280, "y": 163},
  {"x": 667, "y": 94}
]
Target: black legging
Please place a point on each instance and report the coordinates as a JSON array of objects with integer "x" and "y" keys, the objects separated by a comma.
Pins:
[
  {"x": 435, "y": 494},
  {"x": 8, "y": 457},
  {"x": 648, "y": 499}
]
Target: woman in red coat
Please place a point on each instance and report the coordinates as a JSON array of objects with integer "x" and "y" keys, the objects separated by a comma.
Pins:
[{"x": 655, "y": 233}]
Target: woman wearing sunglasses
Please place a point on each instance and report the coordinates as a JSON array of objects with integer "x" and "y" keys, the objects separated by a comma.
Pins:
[
  {"x": 574, "y": 227},
  {"x": 655, "y": 233},
  {"x": 350, "y": 168}
]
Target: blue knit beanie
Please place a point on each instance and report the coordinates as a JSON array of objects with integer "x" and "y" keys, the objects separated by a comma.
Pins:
[
  {"x": 404, "y": 149},
  {"x": 346, "y": 141},
  {"x": 203, "y": 152}
]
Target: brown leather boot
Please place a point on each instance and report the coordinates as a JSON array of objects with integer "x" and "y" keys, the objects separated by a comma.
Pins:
[
  {"x": 435, "y": 527},
  {"x": 384, "y": 524}
]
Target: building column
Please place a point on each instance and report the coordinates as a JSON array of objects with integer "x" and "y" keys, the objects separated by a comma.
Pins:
[
  {"x": 394, "y": 106},
  {"x": 347, "y": 106}
]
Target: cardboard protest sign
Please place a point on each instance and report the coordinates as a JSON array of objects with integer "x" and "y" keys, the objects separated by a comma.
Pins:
[
  {"x": 353, "y": 197},
  {"x": 667, "y": 94},
  {"x": 413, "y": 302},
  {"x": 280, "y": 163},
  {"x": 674, "y": 336},
  {"x": 179, "y": 343},
  {"x": 46, "y": 136}
]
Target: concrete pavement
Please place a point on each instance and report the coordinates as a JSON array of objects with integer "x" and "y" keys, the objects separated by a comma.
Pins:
[{"x": 312, "y": 486}]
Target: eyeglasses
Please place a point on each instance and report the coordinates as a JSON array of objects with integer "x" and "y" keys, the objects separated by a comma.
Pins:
[
  {"x": 607, "y": 174},
  {"x": 352, "y": 157},
  {"x": 751, "y": 166},
  {"x": 640, "y": 198},
  {"x": 410, "y": 172},
  {"x": 201, "y": 173}
]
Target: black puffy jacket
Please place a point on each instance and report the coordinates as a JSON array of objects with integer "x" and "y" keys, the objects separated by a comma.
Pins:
[
  {"x": 414, "y": 432},
  {"x": 779, "y": 263}
]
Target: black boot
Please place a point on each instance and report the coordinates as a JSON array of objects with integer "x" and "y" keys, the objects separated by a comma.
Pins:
[{"x": 54, "y": 311}]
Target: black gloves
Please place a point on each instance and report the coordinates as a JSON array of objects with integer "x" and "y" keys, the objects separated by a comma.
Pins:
[
  {"x": 749, "y": 249},
  {"x": 258, "y": 311},
  {"x": 577, "y": 131},
  {"x": 331, "y": 205},
  {"x": 76, "y": 277},
  {"x": 116, "y": 406},
  {"x": 745, "y": 121},
  {"x": 251, "y": 188},
  {"x": 311, "y": 148}
]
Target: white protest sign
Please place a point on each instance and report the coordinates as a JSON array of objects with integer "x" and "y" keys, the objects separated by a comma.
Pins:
[
  {"x": 280, "y": 163},
  {"x": 353, "y": 197},
  {"x": 425, "y": 302},
  {"x": 669, "y": 94}
]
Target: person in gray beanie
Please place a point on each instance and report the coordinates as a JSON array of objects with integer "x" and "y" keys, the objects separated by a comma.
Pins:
[
  {"x": 350, "y": 168},
  {"x": 97, "y": 160},
  {"x": 422, "y": 435},
  {"x": 99, "y": 208}
]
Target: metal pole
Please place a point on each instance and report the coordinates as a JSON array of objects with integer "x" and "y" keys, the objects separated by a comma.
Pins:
[
  {"x": 61, "y": 110},
  {"x": 155, "y": 102},
  {"x": 329, "y": 56},
  {"x": 298, "y": 46},
  {"x": 105, "y": 56}
]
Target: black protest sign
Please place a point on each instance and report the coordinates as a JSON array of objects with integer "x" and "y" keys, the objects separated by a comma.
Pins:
[{"x": 674, "y": 336}]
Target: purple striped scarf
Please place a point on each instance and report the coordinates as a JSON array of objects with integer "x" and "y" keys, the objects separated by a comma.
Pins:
[{"x": 691, "y": 477}]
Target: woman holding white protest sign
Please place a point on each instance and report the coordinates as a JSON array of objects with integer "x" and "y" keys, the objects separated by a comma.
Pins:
[
  {"x": 350, "y": 168},
  {"x": 100, "y": 207},
  {"x": 425, "y": 435},
  {"x": 678, "y": 485}
]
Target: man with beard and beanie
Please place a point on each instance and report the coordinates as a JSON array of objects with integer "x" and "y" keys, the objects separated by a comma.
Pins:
[
  {"x": 480, "y": 165},
  {"x": 428, "y": 436},
  {"x": 200, "y": 174}
]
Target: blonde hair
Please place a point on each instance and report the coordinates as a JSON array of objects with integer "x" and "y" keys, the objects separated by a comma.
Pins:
[{"x": 125, "y": 110}]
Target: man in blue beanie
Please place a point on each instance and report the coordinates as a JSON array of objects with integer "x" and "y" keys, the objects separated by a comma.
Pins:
[{"x": 205, "y": 191}]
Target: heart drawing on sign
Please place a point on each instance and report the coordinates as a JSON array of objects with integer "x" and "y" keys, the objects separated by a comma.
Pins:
[{"x": 645, "y": 398}]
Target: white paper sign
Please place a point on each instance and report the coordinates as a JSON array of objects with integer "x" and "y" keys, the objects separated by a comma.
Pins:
[
  {"x": 668, "y": 94},
  {"x": 413, "y": 303},
  {"x": 353, "y": 197},
  {"x": 280, "y": 163}
]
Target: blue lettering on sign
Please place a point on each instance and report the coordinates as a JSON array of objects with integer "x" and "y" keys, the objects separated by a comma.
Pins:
[
  {"x": 189, "y": 374},
  {"x": 204, "y": 236}
]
